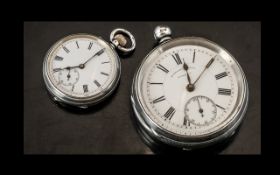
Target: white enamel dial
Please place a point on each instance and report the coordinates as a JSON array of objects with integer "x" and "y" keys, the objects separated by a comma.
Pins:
[
  {"x": 165, "y": 88},
  {"x": 82, "y": 67},
  {"x": 189, "y": 88}
]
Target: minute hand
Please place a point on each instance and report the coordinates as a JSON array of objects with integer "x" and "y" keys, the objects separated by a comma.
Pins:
[
  {"x": 206, "y": 67},
  {"x": 96, "y": 54}
]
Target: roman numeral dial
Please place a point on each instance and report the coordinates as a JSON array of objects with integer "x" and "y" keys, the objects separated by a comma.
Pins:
[
  {"x": 188, "y": 89},
  {"x": 83, "y": 67}
]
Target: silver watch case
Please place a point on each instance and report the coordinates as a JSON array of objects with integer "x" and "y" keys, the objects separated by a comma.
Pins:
[
  {"x": 189, "y": 142},
  {"x": 83, "y": 102}
]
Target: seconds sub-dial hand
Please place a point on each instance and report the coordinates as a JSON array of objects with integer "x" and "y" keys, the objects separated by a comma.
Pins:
[
  {"x": 68, "y": 75},
  {"x": 190, "y": 86},
  {"x": 206, "y": 67},
  {"x": 200, "y": 109}
]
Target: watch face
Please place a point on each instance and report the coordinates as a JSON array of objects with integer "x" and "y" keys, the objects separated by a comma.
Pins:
[
  {"x": 82, "y": 66},
  {"x": 190, "y": 87}
]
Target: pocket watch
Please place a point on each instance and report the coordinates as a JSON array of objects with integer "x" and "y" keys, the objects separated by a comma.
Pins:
[
  {"x": 188, "y": 92},
  {"x": 81, "y": 70}
]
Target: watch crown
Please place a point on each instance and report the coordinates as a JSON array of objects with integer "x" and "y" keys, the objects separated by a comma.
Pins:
[{"x": 162, "y": 33}]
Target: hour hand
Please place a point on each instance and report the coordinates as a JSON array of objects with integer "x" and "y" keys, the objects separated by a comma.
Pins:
[
  {"x": 68, "y": 68},
  {"x": 190, "y": 86},
  {"x": 186, "y": 67}
]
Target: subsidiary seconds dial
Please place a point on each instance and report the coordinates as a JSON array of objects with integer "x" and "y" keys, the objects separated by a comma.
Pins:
[
  {"x": 68, "y": 77},
  {"x": 200, "y": 110}
]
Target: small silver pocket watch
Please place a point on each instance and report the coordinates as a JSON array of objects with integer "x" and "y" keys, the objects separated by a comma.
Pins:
[
  {"x": 82, "y": 69},
  {"x": 188, "y": 92}
]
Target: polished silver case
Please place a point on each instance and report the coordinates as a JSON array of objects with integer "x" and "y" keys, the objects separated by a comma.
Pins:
[
  {"x": 162, "y": 135},
  {"x": 83, "y": 102}
]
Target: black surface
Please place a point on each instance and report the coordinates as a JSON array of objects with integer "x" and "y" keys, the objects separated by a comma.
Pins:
[{"x": 109, "y": 128}]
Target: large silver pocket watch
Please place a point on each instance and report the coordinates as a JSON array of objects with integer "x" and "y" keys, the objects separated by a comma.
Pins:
[
  {"x": 81, "y": 70},
  {"x": 188, "y": 92}
]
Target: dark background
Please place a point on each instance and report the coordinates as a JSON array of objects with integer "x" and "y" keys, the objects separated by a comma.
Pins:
[{"x": 109, "y": 128}]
